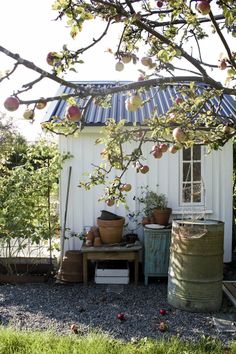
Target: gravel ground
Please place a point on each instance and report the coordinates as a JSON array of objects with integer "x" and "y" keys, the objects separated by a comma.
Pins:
[{"x": 51, "y": 306}]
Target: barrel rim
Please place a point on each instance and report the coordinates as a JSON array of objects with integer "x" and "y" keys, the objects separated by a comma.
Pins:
[{"x": 188, "y": 222}]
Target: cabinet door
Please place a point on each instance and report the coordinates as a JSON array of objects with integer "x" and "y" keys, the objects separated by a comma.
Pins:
[{"x": 157, "y": 251}]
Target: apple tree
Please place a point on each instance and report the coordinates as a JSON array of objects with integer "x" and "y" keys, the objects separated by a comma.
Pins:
[{"x": 166, "y": 40}]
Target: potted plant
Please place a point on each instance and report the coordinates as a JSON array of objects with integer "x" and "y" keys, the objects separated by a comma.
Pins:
[
  {"x": 155, "y": 206},
  {"x": 110, "y": 227}
]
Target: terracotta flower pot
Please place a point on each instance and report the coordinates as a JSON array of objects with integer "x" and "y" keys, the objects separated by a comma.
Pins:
[
  {"x": 111, "y": 230},
  {"x": 161, "y": 216},
  {"x": 146, "y": 220}
]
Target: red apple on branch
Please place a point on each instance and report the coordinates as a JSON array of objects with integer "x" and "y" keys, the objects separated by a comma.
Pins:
[
  {"x": 178, "y": 100},
  {"x": 141, "y": 77},
  {"x": 41, "y": 104},
  {"x": 144, "y": 169},
  {"x": 52, "y": 58},
  {"x": 222, "y": 64},
  {"x": 163, "y": 147},
  {"x": 11, "y": 103},
  {"x": 178, "y": 134},
  {"x": 156, "y": 152},
  {"x": 173, "y": 149},
  {"x": 127, "y": 187},
  {"x": 203, "y": 7},
  {"x": 73, "y": 113},
  {"x": 110, "y": 202}
]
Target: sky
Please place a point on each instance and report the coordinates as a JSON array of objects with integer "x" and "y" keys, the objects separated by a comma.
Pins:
[{"x": 29, "y": 28}]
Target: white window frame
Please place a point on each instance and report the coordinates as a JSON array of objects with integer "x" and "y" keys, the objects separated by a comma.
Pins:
[{"x": 203, "y": 187}]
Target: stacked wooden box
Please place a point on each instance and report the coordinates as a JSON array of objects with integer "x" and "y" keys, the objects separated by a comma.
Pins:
[{"x": 112, "y": 272}]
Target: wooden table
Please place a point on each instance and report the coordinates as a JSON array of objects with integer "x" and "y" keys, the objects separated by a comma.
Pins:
[{"x": 130, "y": 254}]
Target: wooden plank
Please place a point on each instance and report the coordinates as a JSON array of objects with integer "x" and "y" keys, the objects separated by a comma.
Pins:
[
  {"x": 131, "y": 248},
  {"x": 229, "y": 288}
]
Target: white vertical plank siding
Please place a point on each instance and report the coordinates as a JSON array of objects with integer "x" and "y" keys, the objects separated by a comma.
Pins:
[
  {"x": 84, "y": 208},
  {"x": 225, "y": 212},
  {"x": 221, "y": 183},
  {"x": 207, "y": 179},
  {"x": 173, "y": 180}
]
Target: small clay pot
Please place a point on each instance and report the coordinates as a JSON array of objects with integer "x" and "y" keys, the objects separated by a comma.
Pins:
[
  {"x": 95, "y": 231},
  {"x": 145, "y": 220},
  {"x": 90, "y": 236},
  {"x": 89, "y": 243},
  {"x": 97, "y": 242}
]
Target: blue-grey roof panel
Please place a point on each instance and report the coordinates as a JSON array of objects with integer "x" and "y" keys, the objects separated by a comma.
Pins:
[{"x": 161, "y": 99}]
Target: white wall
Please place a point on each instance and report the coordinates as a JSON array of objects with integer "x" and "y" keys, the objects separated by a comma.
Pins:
[{"x": 84, "y": 208}]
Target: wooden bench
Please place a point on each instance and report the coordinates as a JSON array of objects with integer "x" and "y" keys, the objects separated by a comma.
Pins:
[{"x": 106, "y": 252}]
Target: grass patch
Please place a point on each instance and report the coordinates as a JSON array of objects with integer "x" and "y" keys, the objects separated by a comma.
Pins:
[{"x": 22, "y": 342}]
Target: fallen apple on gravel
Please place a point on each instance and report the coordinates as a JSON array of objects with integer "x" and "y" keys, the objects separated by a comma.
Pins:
[
  {"x": 121, "y": 316},
  {"x": 163, "y": 327},
  {"x": 74, "y": 328},
  {"x": 162, "y": 312}
]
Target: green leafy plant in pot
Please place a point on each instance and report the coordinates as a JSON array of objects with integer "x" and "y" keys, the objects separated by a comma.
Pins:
[{"x": 155, "y": 206}]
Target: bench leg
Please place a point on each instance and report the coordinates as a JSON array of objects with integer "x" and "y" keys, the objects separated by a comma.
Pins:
[
  {"x": 136, "y": 261},
  {"x": 85, "y": 269}
]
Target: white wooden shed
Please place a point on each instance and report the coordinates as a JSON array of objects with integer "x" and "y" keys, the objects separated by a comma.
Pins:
[{"x": 212, "y": 172}]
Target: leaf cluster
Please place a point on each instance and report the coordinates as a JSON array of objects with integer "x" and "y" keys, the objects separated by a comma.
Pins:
[{"x": 27, "y": 213}]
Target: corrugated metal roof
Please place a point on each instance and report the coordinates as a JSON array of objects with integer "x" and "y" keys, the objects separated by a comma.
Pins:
[{"x": 161, "y": 99}]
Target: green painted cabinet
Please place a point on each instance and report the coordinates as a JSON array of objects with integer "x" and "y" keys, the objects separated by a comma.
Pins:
[{"x": 156, "y": 253}]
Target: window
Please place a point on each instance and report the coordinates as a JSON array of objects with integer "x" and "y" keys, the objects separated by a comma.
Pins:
[{"x": 191, "y": 176}]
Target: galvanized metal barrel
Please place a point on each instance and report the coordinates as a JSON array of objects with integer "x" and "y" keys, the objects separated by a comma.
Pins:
[{"x": 196, "y": 265}]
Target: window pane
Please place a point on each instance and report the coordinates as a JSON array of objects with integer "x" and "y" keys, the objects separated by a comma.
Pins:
[
  {"x": 197, "y": 192},
  {"x": 196, "y": 171},
  {"x": 186, "y": 194},
  {"x": 186, "y": 154},
  {"x": 196, "y": 152},
  {"x": 186, "y": 171}
]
